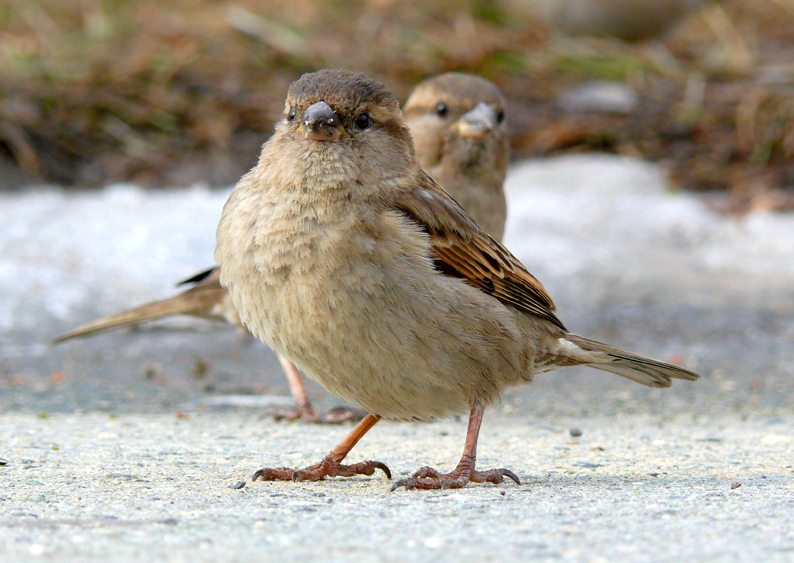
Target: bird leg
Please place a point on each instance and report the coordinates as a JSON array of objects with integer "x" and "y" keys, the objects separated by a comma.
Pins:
[
  {"x": 429, "y": 478},
  {"x": 330, "y": 466},
  {"x": 303, "y": 407}
]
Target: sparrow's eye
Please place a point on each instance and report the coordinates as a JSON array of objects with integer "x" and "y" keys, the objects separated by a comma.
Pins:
[
  {"x": 500, "y": 116},
  {"x": 291, "y": 114},
  {"x": 441, "y": 109},
  {"x": 362, "y": 121}
]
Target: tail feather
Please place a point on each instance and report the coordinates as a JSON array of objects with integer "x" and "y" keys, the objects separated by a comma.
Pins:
[
  {"x": 641, "y": 369},
  {"x": 198, "y": 302},
  {"x": 208, "y": 276}
]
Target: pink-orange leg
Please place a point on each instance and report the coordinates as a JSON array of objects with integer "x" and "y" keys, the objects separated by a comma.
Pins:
[
  {"x": 303, "y": 406},
  {"x": 429, "y": 478},
  {"x": 330, "y": 466}
]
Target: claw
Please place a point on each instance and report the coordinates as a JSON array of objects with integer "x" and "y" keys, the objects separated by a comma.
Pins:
[
  {"x": 513, "y": 476},
  {"x": 495, "y": 476},
  {"x": 402, "y": 483},
  {"x": 382, "y": 467}
]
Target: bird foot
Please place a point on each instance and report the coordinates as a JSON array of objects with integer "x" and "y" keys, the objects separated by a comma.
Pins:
[
  {"x": 429, "y": 478},
  {"x": 336, "y": 415},
  {"x": 319, "y": 471},
  {"x": 343, "y": 414},
  {"x": 304, "y": 413}
]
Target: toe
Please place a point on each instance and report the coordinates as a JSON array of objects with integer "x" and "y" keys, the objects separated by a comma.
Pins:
[
  {"x": 408, "y": 483},
  {"x": 274, "y": 474}
]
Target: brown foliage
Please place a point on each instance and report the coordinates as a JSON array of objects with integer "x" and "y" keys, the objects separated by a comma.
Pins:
[{"x": 174, "y": 92}]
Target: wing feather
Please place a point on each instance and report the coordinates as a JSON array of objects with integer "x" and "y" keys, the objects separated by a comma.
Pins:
[{"x": 462, "y": 249}]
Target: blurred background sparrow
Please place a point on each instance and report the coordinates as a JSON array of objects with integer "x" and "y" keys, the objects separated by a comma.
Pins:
[{"x": 460, "y": 133}]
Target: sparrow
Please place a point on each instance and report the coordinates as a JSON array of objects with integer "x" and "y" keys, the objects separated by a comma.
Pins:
[
  {"x": 459, "y": 126},
  {"x": 348, "y": 259},
  {"x": 461, "y": 138}
]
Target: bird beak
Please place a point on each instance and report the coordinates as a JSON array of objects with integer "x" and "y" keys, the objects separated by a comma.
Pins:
[
  {"x": 478, "y": 123},
  {"x": 320, "y": 123}
]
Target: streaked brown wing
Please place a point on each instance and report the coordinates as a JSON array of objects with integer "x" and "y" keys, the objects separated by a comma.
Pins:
[{"x": 462, "y": 249}]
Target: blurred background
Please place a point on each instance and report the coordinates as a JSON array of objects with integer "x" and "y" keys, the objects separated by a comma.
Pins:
[
  {"x": 674, "y": 240},
  {"x": 171, "y": 93}
]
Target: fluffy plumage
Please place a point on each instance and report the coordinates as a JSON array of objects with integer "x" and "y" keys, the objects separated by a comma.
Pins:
[{"x": 347, "y": 258}]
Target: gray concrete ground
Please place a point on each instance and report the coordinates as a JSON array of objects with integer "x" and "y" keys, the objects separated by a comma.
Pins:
[
  {"x": 127, "y": 446},
  {"x": 640, "y": 487}
]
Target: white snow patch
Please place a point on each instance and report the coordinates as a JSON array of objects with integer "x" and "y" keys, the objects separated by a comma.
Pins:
[
  {"x": 610, "y": 219},
  {"x": 591, "y": 225}
]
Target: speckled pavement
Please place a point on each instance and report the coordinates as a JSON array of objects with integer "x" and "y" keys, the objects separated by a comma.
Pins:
[{"x": 129, "y": 446}]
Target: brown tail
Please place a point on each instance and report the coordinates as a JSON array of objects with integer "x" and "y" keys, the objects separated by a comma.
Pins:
[
  {"x": 197, "y": 301},
  {"x": 647, "y": 371}
]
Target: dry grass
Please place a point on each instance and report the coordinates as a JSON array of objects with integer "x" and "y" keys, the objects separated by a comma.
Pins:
[{"x": 173, "y": 92}]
